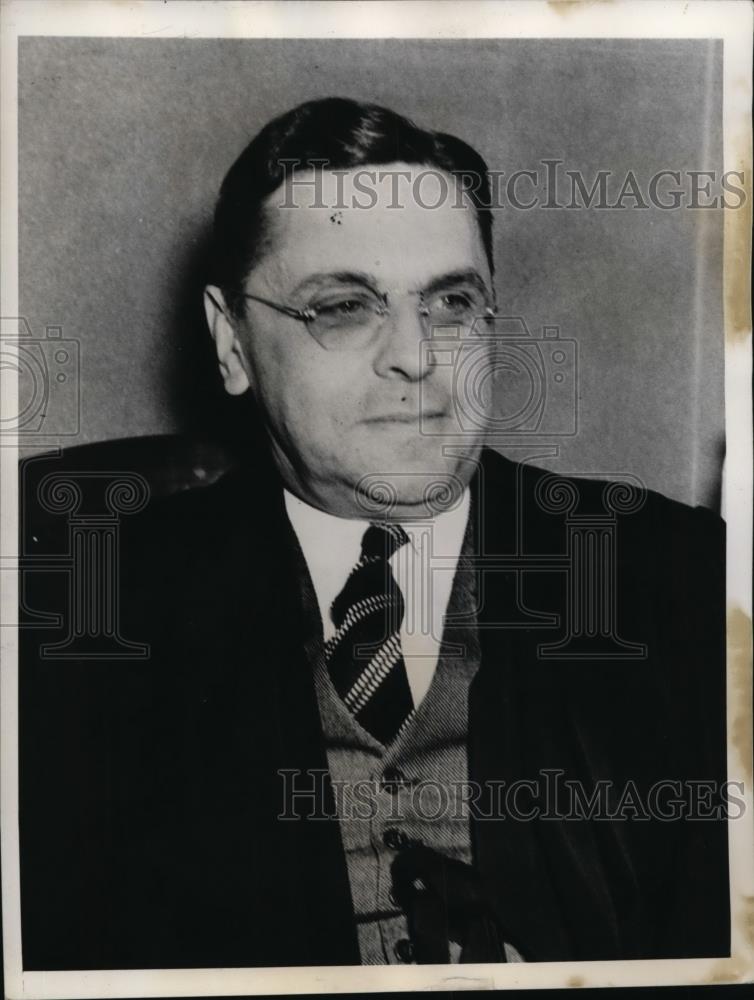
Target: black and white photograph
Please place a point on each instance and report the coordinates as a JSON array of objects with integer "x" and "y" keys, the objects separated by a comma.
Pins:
[{"x": 376, "y": 497}]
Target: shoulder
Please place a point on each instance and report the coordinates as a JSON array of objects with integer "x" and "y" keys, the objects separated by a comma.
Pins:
[
  {"x": 545, "y": 502},
  {"x": 244, "y": 503},
  {"x": 185, "y": 557}
]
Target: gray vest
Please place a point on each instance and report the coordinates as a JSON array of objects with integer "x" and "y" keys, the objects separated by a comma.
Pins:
[{"x": 414, "y": 789}]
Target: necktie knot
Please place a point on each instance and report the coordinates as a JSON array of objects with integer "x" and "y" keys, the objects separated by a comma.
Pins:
[
  {"x": 371, "y": 576},
  {"x": 382, "y": 541}
]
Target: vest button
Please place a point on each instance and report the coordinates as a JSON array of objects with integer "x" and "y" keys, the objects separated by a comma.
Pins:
[
  {"x": 404, "y": 950},
  {"x": 394, "y": 839}
]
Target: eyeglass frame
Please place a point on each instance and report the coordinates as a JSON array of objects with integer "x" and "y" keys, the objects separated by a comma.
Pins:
[{"x": 309, "y": 313}]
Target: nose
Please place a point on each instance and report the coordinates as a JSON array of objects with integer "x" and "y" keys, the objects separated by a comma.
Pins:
[{"x": 404, "y": 350}]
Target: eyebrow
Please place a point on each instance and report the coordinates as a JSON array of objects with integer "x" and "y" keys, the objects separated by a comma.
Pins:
[
  {"x": 460, "y": 276},
  {"x": 463, "y": 276},
  {"x": 321, "y": 278}
]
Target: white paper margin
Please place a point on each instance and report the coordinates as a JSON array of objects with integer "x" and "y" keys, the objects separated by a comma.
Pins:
[{"x": 730, "y": 20}]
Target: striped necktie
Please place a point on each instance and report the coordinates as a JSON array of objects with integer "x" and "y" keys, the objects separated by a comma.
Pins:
[{"x": 364, "y": 656}]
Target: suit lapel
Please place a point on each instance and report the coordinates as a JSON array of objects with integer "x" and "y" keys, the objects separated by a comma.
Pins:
[
  {"x": 547, "y": 874},
  {"x": 506, "y": 853},
  {"x": 257, "y": 726}
]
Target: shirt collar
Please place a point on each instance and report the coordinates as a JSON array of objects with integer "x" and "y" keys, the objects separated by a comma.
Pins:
[{"x": 332, "y": 545}]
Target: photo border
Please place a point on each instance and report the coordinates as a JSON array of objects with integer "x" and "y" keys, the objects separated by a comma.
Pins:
[{"x": 726, "y": 19}]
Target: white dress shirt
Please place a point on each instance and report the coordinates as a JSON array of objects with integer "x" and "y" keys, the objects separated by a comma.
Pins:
[{"x": 424, "y": 570}]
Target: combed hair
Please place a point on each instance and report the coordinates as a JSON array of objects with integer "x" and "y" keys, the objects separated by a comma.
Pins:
[{"x": 344, "y": 134}]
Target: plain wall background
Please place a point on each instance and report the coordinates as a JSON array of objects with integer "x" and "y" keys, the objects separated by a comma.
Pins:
[{"x": 124, "y": 143}]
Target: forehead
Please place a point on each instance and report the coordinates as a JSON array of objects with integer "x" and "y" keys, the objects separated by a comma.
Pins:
[{"x": 405, "y": 224}]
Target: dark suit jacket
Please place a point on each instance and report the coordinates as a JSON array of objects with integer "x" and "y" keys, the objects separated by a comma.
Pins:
[{"x": 150, "y": 789}]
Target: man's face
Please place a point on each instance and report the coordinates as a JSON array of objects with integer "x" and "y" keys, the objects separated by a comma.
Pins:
[{"x": 342, "y": 420}]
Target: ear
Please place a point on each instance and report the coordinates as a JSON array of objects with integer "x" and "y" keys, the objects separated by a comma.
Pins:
[{"x": 230, "y": 356}]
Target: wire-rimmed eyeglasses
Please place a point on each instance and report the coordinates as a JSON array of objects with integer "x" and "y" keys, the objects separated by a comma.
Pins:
[{"x": 347, "y": 318}]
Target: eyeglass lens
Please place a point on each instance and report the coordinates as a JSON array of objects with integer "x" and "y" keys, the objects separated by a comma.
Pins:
[{"x": 346, "y": 318}]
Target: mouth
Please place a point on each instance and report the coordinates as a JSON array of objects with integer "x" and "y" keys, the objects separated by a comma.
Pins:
[{"x": 405, "y": 418}]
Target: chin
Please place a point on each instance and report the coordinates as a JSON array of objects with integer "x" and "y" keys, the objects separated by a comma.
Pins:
[
  {"x": 415, "y": 478},
  {"x": 417, "y": 453}
]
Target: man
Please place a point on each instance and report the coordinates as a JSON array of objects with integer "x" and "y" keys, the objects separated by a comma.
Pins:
[{"x": 367, "y": 711}]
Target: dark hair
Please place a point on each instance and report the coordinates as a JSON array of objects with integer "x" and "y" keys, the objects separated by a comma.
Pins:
[{"x": 344, "y": 134}]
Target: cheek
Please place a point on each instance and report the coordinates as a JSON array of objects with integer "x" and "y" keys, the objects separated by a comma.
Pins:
[{"x": 307, "y": 392}]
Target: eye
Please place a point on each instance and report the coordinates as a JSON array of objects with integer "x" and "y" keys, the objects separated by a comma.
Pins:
[
  {"x": 456, "y": 300},
  {"x": 455, "y": 304},
  {"x": 344, "y": 307},
  {"x": 341, "y": 307}
]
